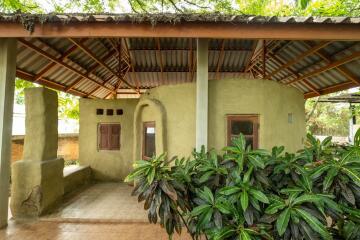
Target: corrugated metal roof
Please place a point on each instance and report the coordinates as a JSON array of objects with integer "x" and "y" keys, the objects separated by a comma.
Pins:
[{"x": 149, "y": 62}]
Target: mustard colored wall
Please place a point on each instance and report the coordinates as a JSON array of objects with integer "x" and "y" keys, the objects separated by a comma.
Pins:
[
  {"x": 106, "y": 165},
  {"x": 270, "y": 100},
  {"x": 179, "y": 104}
]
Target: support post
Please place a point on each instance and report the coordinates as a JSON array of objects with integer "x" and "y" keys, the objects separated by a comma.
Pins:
[
  {"x": 7, "y": 85},
  {"x": 202, "y": 94}
]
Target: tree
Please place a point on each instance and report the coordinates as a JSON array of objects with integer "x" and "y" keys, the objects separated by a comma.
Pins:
[
  {"x": 253, "y": 7},
  {"x": 68, "y": 104}
]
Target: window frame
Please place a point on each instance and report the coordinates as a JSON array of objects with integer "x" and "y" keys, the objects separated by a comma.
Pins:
[
  {"x": 145, "y": 126},
  {"x": 99, "y": 137},
  {"x": 254, "y": 118}
]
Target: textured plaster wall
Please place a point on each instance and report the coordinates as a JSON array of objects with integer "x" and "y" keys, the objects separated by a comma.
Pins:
[
  {"x": 106, "y": 165},
  {"x": 271, "y": 101},
  {"x": 179, "y": 104}
]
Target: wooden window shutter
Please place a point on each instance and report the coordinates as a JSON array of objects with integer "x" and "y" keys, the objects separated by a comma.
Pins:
[
  {"x": 104, "y": 136},
  {"x": 114, "y": 137}
]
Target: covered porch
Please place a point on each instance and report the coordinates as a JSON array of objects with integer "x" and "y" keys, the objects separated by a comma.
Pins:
[{"x": 127, "y": 70}]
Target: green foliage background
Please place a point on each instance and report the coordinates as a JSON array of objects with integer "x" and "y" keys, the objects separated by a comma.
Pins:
[
  {"x": 253, "y": 7},
  {"x": 68, "y": 104}
]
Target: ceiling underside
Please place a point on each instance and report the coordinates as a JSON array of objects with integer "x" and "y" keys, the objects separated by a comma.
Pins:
[{"x": 103, "y": 67}]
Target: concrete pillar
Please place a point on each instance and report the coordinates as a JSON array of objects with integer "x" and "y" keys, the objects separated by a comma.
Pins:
[
  {"x": 202, "y": 77},
  {"x": 7, "y": 83},
  {"x": 37, "y": 180}
]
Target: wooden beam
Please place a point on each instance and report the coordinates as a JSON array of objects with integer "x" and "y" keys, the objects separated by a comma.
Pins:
[
  {"x": 247, "y": 65},
  {"x": 51, "y": 58},
  {"x": 191, "y": 59},
  {"x": 31, "y": 77},
  {"x": 160, "y": 59},
  {"x": 51, "y": 65},
  {"x": 90, "y": 54},
  {"x": 285, "y": 31},
  {"x": 299, "y": 58},
  {"x": 332, "y": 65},
  {"x": 220, "y": 59},
  {"x": 131, "y": 59},
  {"x": 331, "y": 89},
  {"x": 91, "y": 70},
  {"x": 281, "y": 61},
  {"x": 344, "y": 71},
  {"x": 264, "y": 59}
]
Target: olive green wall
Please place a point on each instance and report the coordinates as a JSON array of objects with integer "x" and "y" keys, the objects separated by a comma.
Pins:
[
  {"x": 106, "y": 165},
  {"x": 271, "y": 101},
  {"x": 176, "y": 103}
]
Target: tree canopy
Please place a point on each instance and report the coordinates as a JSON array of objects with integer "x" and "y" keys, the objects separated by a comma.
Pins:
[{"x": 251, "y": 7}]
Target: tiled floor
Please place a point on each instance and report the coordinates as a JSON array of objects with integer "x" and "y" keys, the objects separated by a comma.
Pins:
[
  {"x": 102, "y": 202},
  {"x": 103, "y": 211},
  {"x": 85, "y": 231}
]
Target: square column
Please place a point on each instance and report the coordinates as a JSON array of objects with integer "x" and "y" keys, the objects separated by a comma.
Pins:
[
  {"x": 202, "y": 78},
  {"x": 7, "y": 85},
  {"x": 37, "y": 180}
]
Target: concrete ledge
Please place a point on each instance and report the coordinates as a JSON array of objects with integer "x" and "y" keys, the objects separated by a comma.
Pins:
[{"x": 75, "y": 177}]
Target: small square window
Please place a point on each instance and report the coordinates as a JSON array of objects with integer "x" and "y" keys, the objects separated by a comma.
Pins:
[
  {"x": 109, "y": 112},
  {"x": 119, "y": 112},
  {"x": 99, "y": 111}
]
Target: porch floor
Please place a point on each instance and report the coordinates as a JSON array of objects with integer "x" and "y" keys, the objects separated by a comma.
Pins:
[
  {"x": 102, "y": 211},
  {"x": 102, "y": 202}
]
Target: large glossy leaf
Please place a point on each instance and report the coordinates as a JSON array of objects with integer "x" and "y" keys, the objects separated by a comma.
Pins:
[
  {"x": 260, "y": 196},
  {"x": 314, "y": 223},
  {"x": 275, "y": 207},
  {"x": 229, "y": 190},
  {"x": 224, "y": 233},
  {"x": 354, "y": 175},
  {"x": 283, "y": 221},
  {"x": 256, "y": 161},
  {"x": 317, "y": 172},
  {"x": 328, "y": 180},
  {"x": 151, "y": 175},
  {"x": 205, "y": 218},
  {"x": 244, "y": 235},
  {"x": 200, "y": 209},
  {"x": 305, "y": 198},
  {"x": 168, "y": 189},
  {"x": 244, "y": 199}
]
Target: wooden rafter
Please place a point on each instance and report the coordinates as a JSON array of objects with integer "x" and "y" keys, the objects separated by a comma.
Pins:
[
  {"x": 160, "y": 59},
  {"x": 191, "y": 59},
  {"x": 329, "y": 66},
  {"x": 131, "y": 62},
  {"x": 299, "y": 58},
  {"x": 57, "y": 86},
  {"x": 251, "y": 56},
  {"x": 51, "y": 65},
  {"x": 220, "y": 59},
  {"x": 280, "y": 62},
  {"x": 331, "y": 89},
  {"x": 270, "y": 46},
  {"x": 345, "y": 72},
  {"x": 90, "y": 54},
  {"x": 264, "y": 59},
  {"x": 63, "y": 64},
  {"x": 90, "y": 71}
]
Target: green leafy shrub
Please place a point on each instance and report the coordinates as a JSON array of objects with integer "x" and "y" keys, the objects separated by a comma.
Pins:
[{"x": 255, "y": 194}]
